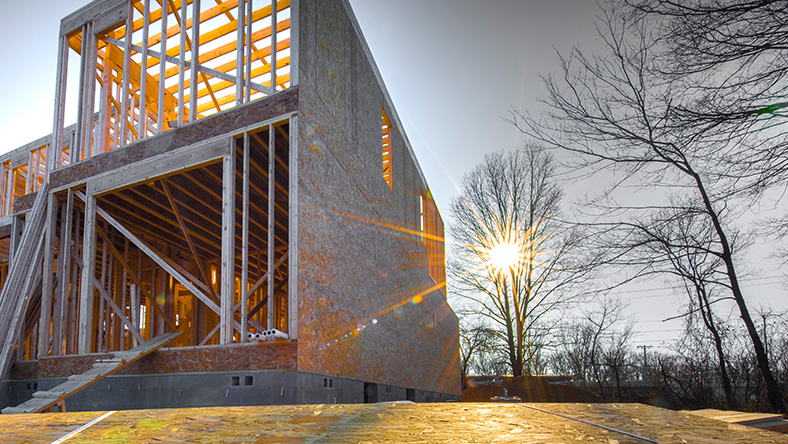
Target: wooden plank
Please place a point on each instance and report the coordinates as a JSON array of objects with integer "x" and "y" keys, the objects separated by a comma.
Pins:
[
  {"x": 60, "y": 105},
  {"x": 142, "y": 132},
  {"x": 86, "y": 282},
  {"x": 44, "y": 322},
  {"x": 239, "y": 55},
  {"x": 90, "y": 78},
  {"x": 249, "y": 48},
  {"x": 124, "y": 95},
  {"x": 245, "y": 238},
  {"x": 274, "y": 32},
  {"x": 182, "y": 61},
  {"x": 161, "y": 124},
  {"x": 293, "y": 233},
  {"x": 195, "y": 48},
  {"x": 171, "y": 162},
  {"x": 271, "y": 220},
  {"x": 63, "y": 271},
  {"x": 228, "y": 249}
]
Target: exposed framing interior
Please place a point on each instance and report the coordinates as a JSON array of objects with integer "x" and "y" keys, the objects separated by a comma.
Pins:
[{"x": 185, "y": 251}]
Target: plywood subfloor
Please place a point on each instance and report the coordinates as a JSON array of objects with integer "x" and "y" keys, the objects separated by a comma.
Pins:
[{"x": 383, "y": 423}]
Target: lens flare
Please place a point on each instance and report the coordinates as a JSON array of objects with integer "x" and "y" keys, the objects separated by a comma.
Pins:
[{"x": 504, "y": 255}]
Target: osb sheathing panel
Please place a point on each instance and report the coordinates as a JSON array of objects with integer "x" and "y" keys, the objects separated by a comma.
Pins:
[
  {"x": 23, "y": 370},
  {"x": 360, "y": 258},
  {"x": 386, "y": 423},
  {"x": 254, "y": 356}
]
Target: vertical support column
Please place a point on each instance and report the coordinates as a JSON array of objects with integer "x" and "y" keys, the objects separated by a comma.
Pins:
[
  {"x": 86, "y": 282},
  {"x": 195, "y": 75},
  {"x": 292, "y": 230},
  {"x": 165, "y": 11},
  {"x": 79, "y": 130},
  {"x": 63, "y": 277},
  {"x": 124, "y": 95},
  {"x": 274, "y": 29},
  {"x": 248, "y": 77},
  {"x": 102, "y": 127},
  {"x": 53, "y": 159},
  {"x": 227, "y": 290},
  {"x": 239, "y": 55},
  {"x": 245, "y": 242},
  {"x": 46, "y": 285},
  {"x": 271, "y": 219},
  {"x": 182, "y": 62},
  {"x": 90, "y": 80},
  {"x": 142, "y": 131}
]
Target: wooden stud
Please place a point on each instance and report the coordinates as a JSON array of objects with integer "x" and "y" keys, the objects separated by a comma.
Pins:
[
  {"x": 195, "y": 48},
  {"x": 86, "y": 282},
  {"x": 271, "y": 219},
  {"x": 274, "y": 32},
  {"x": 60, "y": 105},
  {"x": 239, "y": 55},
  {"x": 228, "y": 249},
  {"x": 162, "y": 66},
  {"x": 142, "y": 132},
  {"x": 124, "y": 95},
  {"x": 182, "y": 61},
  {"x": 249, "y": 48},
  {"x": 63, "y": 262},
  {"x": 91, "y": 91},
  {"x": 44, "y": 322},
  {"x": 245, "y": 238}
]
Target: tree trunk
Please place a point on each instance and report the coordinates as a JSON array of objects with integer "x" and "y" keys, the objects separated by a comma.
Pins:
[{"x": 774, "y": 392}]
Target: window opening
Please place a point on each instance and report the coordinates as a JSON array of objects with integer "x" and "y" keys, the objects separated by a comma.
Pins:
[{"x": 386, "y": 127}]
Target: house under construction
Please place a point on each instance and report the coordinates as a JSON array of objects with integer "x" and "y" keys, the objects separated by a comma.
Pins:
[{"x": 237, "y": 172}]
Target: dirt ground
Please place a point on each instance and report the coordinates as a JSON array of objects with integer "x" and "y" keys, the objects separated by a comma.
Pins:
[{"x": 527, "y": 388}]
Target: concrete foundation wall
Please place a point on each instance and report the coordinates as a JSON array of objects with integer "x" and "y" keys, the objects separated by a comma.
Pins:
[
  {"x": 266, "y": 387},
  {"x": 368, "y": 307}
]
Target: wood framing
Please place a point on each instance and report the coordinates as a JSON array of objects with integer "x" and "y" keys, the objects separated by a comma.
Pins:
[{"x": 212, "y": 193}]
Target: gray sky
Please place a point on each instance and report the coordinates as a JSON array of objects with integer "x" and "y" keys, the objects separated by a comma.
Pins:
[{"x": 454, "y": 69}]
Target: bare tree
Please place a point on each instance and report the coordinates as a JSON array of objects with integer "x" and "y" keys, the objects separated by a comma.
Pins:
[
  {"x": 508, "y": 251},
  {"x": 621, "y": 115}
]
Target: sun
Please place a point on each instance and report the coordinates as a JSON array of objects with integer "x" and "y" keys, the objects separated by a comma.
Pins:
[{"x": 504, "y": 255}]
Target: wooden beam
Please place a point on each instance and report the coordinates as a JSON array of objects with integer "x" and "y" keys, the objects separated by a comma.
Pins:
[
  {"x": 161, "y": 123},
  {"x": 44, "y": 322},
  {"x": 195, "y": 47},
  {"x": 86, "y": 282},
  {"x": 228, "y": 249},
  {"x": 63, "y": 272},
  {"x": 142, "y": 132},
  {"x": 271, "y": 221},
  {"x": 245, "y": 238}
]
